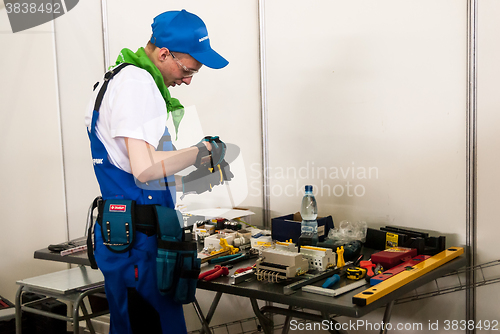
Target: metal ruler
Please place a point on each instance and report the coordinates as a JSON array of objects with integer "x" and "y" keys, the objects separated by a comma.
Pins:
[
  {"x": 334, "y": 292},
  {"x": 370, "y": 295}
]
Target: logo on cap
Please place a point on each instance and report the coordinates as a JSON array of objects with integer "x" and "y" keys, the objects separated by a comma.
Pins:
[{"x": 203, "y": 38}]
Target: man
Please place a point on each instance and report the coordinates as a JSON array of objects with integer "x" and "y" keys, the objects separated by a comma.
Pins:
[{"x": 134, "y": 160}]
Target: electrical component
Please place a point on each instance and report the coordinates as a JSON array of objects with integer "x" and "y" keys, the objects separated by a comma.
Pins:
[
  {"x": 215, "y": 239},
  {"x": 286, "y": 246},
  {"x": 340, "y": 257},
  {"x": 225, "y": 247},
  {"x": 275, "y": 265},
  {"x": 262, "y": 241},
  {"x": 319, "y": 258}
]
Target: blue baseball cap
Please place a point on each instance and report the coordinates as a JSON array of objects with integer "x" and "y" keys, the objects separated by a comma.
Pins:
[{"x": 181, "y": 31}]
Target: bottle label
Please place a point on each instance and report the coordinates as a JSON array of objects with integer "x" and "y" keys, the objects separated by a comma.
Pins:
[{"x": 307, "y": 229}]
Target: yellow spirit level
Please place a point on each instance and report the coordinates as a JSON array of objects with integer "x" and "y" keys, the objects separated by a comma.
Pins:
[{"x": 370, "y": 295}]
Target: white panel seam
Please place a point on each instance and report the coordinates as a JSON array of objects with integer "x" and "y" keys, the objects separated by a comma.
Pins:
[
  {"x": 59, "y": 120},
  {"x": 264, "y": 117}
]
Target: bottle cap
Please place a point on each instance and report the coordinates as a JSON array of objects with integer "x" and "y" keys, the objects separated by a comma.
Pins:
[{"x": 309, "y": 188}]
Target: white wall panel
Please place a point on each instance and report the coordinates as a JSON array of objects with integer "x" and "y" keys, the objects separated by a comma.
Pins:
[
  {"x": 361, "y": 86},
  {"x": 80, "y": 64},
  {"x": 227, "y": 101},
  {"x": 488, "y": 179},
  {"x": 364, "y": 86},
  {"x": 31, "y": 182}
]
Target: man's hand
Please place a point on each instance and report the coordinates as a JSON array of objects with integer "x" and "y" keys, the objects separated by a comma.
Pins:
[
  {"x": 201, "y": 180},
  {"x": 218, "y": 150},
  {"x": 210, "y": 146},
  {"x": 206, "y": 178},
  {"x": 203, "y": 157}
]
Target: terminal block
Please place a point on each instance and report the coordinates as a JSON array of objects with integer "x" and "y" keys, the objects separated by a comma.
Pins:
[
  {"x": 319, "y": 258},
  {"x": 275, "y": 265}
]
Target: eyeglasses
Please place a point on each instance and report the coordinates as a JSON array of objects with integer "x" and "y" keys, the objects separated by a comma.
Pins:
[{"x": 187, "y": 72}]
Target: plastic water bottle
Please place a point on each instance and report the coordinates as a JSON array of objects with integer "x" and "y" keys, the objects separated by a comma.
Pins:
[{"x": 309, "y": 212}]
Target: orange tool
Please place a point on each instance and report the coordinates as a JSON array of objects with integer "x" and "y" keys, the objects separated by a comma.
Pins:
[{"x": 368, "y": 265}]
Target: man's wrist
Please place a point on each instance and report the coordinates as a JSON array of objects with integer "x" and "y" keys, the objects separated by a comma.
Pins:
[
  {"x": 203, "y": 156},
  {"x": 207, "y": 145}
]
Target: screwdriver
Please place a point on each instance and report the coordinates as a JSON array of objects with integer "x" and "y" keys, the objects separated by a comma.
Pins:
[{"x": 331, "y": 281}]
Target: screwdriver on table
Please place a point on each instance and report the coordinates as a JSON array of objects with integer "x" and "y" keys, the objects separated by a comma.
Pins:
[{"x": 331, "y": 281}]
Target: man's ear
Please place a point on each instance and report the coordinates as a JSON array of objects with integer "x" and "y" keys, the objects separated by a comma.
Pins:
[{"x": 163, "y": 53}]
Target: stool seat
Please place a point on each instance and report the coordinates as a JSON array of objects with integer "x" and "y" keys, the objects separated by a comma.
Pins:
[
  {"x": 65, "y": 281},
  {"x": 71, "y": 285}
]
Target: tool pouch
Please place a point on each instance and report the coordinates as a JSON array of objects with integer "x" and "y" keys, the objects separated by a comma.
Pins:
[
  {"x": 118, "y": 224},
  {"x": 177, "y": 263}
]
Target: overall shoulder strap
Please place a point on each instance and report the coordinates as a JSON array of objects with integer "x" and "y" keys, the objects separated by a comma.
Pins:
[{"x": 108, "y": 76}]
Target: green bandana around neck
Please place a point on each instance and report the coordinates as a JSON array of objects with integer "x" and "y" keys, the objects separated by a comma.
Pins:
[{"x": 140, "y": 59}]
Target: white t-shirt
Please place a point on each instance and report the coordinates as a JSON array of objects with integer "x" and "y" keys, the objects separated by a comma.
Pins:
[{"x": 132, "y": 107}]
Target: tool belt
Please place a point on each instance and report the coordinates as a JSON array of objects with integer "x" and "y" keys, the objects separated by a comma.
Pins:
[
  {"x": 177, "y": 262},
  {"x": 143, "y": 217},
  {"x": 119, "y": 220}
]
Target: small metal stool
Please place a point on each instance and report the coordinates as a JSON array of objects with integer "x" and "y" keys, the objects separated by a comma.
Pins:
[{"x": 71, "y": 285}]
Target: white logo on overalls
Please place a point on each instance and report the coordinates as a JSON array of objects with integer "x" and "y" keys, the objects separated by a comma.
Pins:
[{"x": 97, "y": 161}]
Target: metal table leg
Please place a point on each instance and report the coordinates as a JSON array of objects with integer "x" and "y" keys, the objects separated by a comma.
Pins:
[
  {"x": 266, "y": 323},
  {"x": 76, "y": 316},
  {"x": 286, "y": 325},
  {"x": 211, "y": 311},
  {"x": 326, "y": 316},
  {"x": 18, "y": 311},
  {"x": 387, "y": 317},
  {"x": 203, "y": 320}
]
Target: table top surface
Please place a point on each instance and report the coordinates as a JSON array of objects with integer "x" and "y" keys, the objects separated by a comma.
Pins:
[
  {"x": 341, "y": 305},
  {"x": 273, "y": 292},
  {"x": 75, "y": 258}
]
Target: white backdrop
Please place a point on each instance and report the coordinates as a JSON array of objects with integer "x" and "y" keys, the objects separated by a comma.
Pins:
[
  {"x": 488, "y": 157},
  {"x": 373, "y": 93}
]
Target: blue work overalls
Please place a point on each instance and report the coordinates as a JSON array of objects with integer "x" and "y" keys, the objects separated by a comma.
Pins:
[{"x": 135, "y": 304}]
